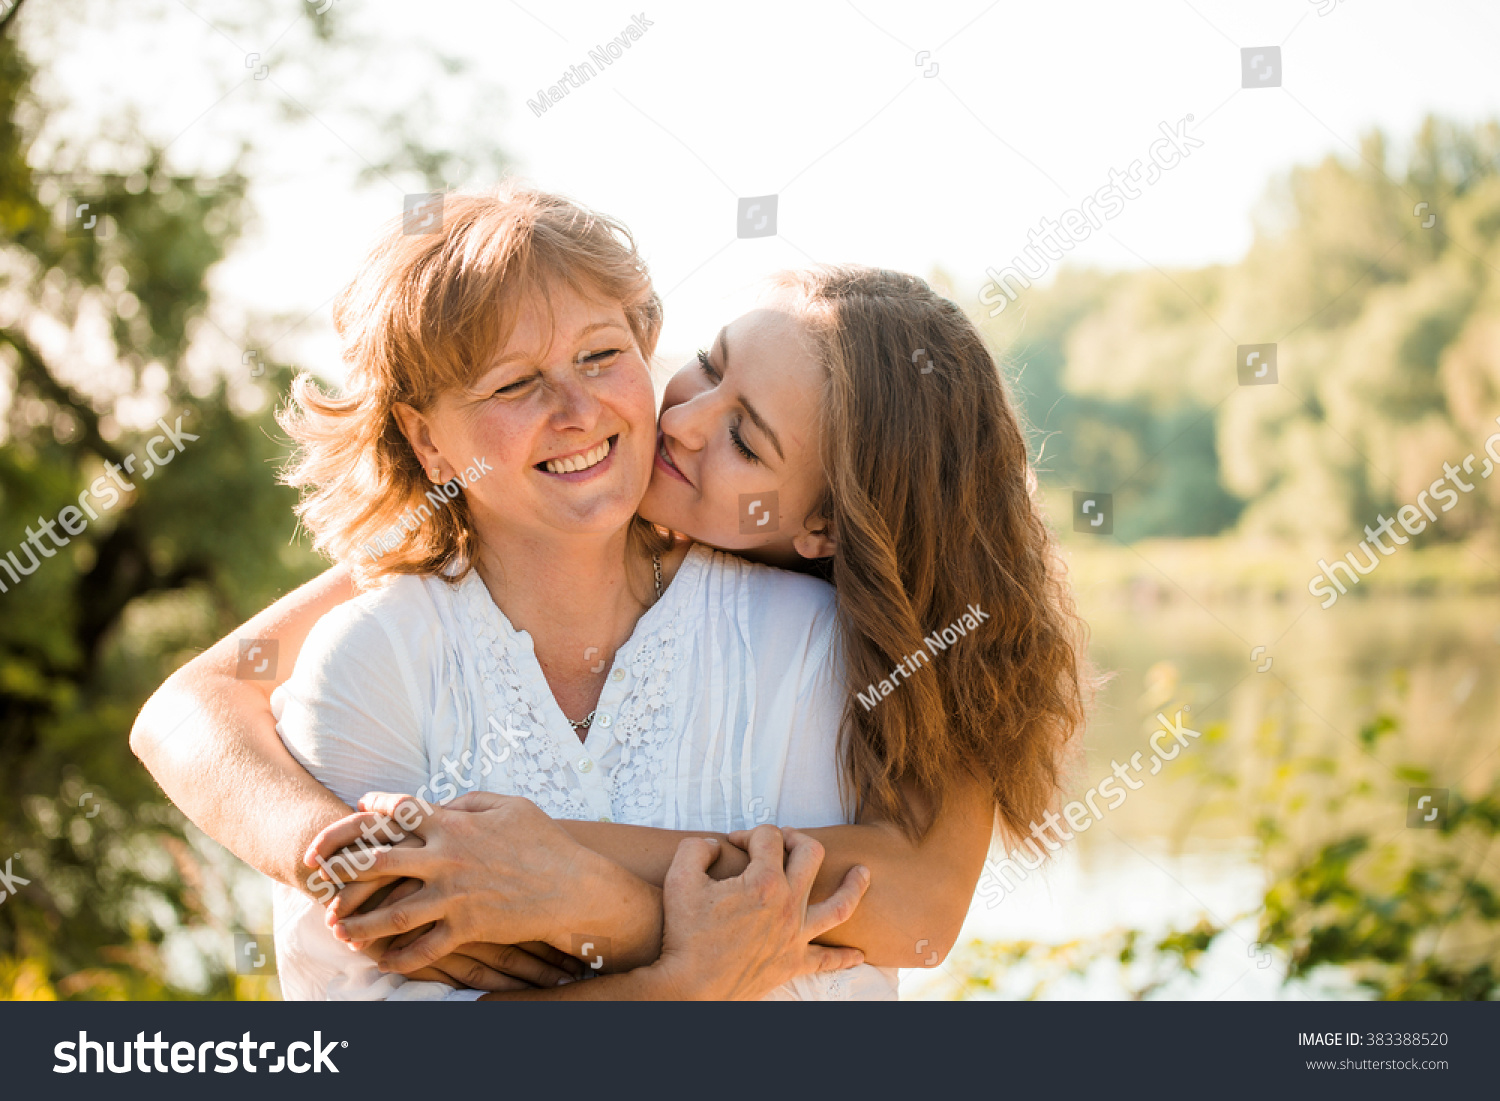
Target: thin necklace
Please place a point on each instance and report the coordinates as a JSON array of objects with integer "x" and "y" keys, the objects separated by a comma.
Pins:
[{"x": 583, "y": 723}]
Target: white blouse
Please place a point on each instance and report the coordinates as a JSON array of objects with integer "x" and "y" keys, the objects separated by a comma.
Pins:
[{"x": 720, "y": 712}]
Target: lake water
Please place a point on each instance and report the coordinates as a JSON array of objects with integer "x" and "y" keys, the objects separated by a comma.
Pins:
[{"x": 1183, "y": 845}]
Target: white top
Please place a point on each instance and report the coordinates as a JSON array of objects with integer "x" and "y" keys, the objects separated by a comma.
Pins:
[{"x": 721, "y": 712}]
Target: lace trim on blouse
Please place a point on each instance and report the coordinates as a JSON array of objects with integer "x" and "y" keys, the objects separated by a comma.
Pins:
[{"x": 644, "y": 723}]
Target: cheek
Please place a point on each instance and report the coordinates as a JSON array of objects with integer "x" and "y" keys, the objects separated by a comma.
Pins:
[
  {"x": 634, "y": 399},
  {"x": 497, "y": 432}
]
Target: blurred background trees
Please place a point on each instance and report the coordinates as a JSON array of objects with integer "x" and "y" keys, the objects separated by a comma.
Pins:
[
  {"x": 1388, "y": 339},
  {"x": 107, "y": 323}
]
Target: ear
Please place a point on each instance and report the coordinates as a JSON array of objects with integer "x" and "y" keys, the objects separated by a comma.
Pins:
[
  {"x": 418, "y": 434},
  {"x": 817, "y": 544}
]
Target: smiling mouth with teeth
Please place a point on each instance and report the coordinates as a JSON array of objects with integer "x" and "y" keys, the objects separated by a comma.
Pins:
[{"x": 574, "y": 463}]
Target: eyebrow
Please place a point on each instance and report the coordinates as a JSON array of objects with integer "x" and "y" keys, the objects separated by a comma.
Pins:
[
  {"x": 750, "y": 410},
  {"x": 592, "y": 327}
]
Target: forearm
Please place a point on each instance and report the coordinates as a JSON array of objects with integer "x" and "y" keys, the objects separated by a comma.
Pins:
[
  {"x": 208, "y": 737},
  {"x": 615, "y": 917},
  {"x": 646, "y": 851},
  {"x": 919, "y": 891},
  {"x": 198, "y": 741}
]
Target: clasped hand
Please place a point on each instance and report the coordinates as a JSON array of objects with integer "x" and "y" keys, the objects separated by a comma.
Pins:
[{"x": 483, "y": 892}]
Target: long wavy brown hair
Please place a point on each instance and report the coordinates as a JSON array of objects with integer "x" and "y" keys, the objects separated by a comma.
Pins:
[{"x": 931, "y": 496}]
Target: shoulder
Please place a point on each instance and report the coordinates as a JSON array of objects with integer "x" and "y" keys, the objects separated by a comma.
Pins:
[
  {"x": 774, "y": 606},
  {"x": 395, "y": 620}
]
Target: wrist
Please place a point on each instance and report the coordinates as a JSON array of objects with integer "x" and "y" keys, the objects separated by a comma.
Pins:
[
  {"x": 605, "y": 900},
  {"x": 665, "y": 981}
]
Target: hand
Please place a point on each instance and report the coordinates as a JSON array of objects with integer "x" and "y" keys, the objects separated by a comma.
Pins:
[
  {"x": 741, "y": 938},
  {"x": 494, "y": 869},
  {"x": 499, "y": 967}
]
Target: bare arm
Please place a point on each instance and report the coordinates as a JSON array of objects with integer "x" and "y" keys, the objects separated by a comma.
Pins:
[
  {"x": 919, "y": 891},
  {"x": 919, "y": 894},
  {"x": 736, "y": 939},
  {"x": 208, "y": 737}
]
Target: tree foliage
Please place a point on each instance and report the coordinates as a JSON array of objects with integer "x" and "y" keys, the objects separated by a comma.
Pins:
[
  {"x": 1388, "y": 342},
  {"x": 107, "y": 334}
]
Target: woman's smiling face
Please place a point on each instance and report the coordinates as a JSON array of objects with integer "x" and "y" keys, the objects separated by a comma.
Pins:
[
  {"x": 563, "y": 413},
  {"x": 737, "y": 462}
]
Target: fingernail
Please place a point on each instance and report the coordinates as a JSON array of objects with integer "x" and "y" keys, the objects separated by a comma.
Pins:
[
  {"x": 564, "y": 981},
  {"x": 712, "y": 840},
  {"x": 340, "y": 932}
]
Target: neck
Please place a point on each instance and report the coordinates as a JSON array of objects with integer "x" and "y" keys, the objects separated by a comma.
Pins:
[
  {"x": 570, "y": 595},
  {"x": 783, "y": 558}
]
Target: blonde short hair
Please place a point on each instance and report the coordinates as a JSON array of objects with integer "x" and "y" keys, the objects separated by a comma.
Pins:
[{"x": 426, "y": 314}]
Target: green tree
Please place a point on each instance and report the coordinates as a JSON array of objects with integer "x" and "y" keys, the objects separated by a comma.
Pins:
[
  {"x": 1378, "y": 285},
  {"x": 119, "y": 263}
]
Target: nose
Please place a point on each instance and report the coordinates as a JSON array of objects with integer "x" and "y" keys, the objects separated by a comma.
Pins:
[
  {"x": 686, "y": 423},
  {"x": 576, "y": 405}
]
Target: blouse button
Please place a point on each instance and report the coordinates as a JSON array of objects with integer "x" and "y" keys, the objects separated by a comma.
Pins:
[
  {"x": 604, "y": 721},
  {"x": 585, "y": 764},
  {"x": 605, "y": 818},
  {"x": 618, "y": 674}
]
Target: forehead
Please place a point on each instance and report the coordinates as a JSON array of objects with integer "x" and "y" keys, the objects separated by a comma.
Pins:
[{"x": 543, "y": 318}]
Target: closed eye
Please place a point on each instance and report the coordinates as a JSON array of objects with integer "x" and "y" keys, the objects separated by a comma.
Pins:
[
  {"x": 707, "y": 366},
  {"x": 735, "y": 436},
  {"x": 740, "y": 445},
  {"x": 515, "y": 387},
  {"x": 599, "y": 359}
]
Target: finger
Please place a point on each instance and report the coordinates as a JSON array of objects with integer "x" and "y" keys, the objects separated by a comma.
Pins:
[
  {"x": 833, "y": 959},
  {"x": 406, "y": 810},
  {"x": 558, "y": 958},
  {"x": 838, "y": 907},
  {"x": 690, "y": 864},
  {"x": 393, "y": 920},
  {"x": 461, "y": 970},
  {"x": 378, "y": 947},
  {"x": 511, "y": 959},
  {"x": 356, "y": 895},
  {"x": 740, "y": 838},
  {"x": 767, "y": 849},
  {"x": 405, "y": 938},
  {"x": 478, "y": 800},
  {"x": 804, "y": 856},
  {"x": 384, "y": 862},
  {"x": 432, "y": 946},
  {"x": 357, "y": 864},
  {"x": 362, "y": 828}
]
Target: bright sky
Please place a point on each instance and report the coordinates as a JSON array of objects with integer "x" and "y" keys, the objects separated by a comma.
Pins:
[{"x": 1016, "y": 112}]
